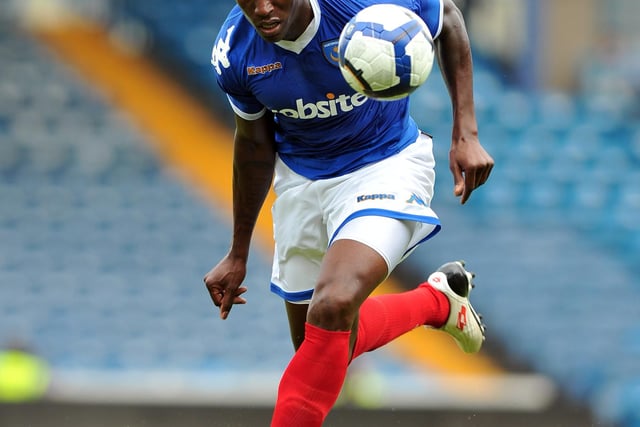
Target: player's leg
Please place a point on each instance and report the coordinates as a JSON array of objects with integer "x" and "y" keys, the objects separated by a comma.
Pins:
[
  {"x": 440, "y": 302},
  {"x": 385, "y": 317},
  {"x": 293, "y": 277},
  {"x": 297, "y": 316},
  {"x": 354, "y": 265},
  {"x": 313, "y": 379},
  {"x": 301, "y": 241}
]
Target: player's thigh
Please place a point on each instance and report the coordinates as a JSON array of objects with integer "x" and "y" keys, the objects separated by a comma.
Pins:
[
  {"x": 361, "y": 256},
  {"x": 389, "y": 237}
]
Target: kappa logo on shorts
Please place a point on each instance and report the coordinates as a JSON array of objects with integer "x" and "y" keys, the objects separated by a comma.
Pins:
[
  {"x": 375, "y": 197},
  {"x": 417, "y": 200}
]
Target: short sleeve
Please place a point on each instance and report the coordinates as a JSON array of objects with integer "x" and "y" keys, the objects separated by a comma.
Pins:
[
  {"x": 228, "y": 67},
  {"x": 432, "y": 12},
  {"x": 247, "y": 108}
]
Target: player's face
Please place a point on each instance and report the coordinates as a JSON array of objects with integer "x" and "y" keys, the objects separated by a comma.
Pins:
[{"x": 276, "y": 20}]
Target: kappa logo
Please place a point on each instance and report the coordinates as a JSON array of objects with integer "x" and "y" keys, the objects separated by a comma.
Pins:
[
  {"x": 264, "y": 69},
  {"x": 220, "y": 51},
  {"x": 220, "y": 59},
  {"x": 417, "y": 200},
  {"x": 365, "y": 197}
]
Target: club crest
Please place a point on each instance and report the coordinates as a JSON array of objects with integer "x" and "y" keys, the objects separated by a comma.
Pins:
[{"x": 330, "y": 51}]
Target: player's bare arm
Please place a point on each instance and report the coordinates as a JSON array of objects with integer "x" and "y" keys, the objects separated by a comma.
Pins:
[
  {"x": 253, "y": 166},
  {"x": 469, "y": 162}
]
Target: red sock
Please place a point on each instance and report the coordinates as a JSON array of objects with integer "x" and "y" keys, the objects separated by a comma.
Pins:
[
  {"x": 385, "y": 317},
  {"x": 312, "y": 382}
]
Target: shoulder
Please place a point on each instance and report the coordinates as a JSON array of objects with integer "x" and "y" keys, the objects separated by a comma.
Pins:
[
  {"x": 343, "y": 8},
  {"x": 431, "y": 12}
]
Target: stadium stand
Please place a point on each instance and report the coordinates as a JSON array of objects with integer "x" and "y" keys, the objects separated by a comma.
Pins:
[
  {"x": 92, "y": 223},
  {"x": 101, "y": 246}
]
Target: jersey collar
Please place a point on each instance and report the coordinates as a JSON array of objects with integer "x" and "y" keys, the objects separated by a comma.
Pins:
[{"x": 301, "y": 42}]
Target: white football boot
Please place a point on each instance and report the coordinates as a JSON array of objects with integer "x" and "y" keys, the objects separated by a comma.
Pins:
[{"x": 463, "y": 324}]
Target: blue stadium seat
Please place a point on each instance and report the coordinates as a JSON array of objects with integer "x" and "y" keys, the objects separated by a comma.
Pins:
[
  {"x": 121, "y": 247},
  {"x": 556, "y": 110},
  {"x": 514, "y": 110}
]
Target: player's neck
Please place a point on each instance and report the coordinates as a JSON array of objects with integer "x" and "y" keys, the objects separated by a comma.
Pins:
[{"x": 304, "y": 16}]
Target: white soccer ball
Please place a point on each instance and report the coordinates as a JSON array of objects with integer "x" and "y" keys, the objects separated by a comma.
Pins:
[{"x": 385, "y": 52}]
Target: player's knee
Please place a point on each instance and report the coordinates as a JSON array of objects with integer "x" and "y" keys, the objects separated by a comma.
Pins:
[{"x": 332, "y": 311}]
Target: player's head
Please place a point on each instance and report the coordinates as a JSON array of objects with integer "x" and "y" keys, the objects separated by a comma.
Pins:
[{"x": 276, "y": 20}]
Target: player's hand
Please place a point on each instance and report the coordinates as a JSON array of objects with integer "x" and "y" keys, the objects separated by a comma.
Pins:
[
  {"x": 223, "y": 283},
  {"x": 470, "y": 165}
]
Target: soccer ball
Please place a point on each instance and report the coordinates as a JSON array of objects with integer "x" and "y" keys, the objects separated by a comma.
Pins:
[{"x": 385, "y": 52}]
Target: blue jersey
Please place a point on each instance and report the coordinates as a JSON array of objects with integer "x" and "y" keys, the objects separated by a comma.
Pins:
[{"x": 323, "y": 127}]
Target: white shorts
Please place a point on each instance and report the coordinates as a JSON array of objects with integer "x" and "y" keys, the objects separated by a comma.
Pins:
[{"x": 309, "y": 215}]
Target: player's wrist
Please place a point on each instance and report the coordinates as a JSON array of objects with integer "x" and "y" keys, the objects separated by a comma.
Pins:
[
  {"x": 462, "y": 133},
  {"x": 238, "y": 254}
]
